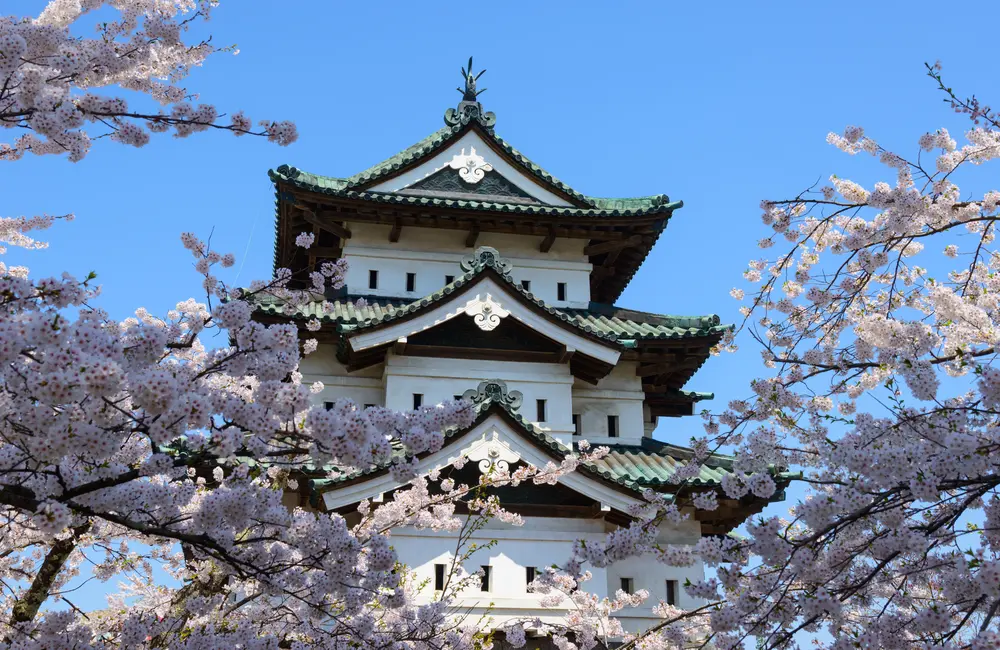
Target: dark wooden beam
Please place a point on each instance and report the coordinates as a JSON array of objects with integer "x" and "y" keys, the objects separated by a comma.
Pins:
[
  {"x": 397, "y": 228},
  {"x": 601, "y": 272},
  {"x": 550, "y": 239},
  {"x": 470, "y": 241},
  {"x": 325, "y": 224},
  {"x": 566, "y": 356},
  {"x": 654, "y": 369},
  {"x": 608, "y": 246},
  {"x": 330, "y": 252}
]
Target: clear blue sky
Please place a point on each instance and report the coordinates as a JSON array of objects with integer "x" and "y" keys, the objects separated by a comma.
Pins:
[{"x": 717, "y": 104}]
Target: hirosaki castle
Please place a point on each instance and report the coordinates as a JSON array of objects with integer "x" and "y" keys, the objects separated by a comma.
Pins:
[{"x": 484, "y": 277}]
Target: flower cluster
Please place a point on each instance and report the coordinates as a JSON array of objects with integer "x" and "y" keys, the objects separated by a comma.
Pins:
[
  {"x": 50, "y": 77},
  {"x": 884, "y": 396}
]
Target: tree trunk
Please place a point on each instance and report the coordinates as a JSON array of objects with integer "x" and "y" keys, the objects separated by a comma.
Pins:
[{"x": 27, "y": 606}]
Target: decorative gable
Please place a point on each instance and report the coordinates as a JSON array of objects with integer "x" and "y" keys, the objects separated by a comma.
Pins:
[
  {"x": 451, "y": 182},
  {"x": 475, "y": 160}
]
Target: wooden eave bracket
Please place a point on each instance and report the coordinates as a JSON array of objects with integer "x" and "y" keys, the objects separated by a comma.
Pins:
[{"x": 334, "y": 228}]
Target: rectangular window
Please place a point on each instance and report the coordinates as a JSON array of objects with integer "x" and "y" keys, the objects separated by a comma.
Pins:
[
  {"x": 561, "y": 291},
  {"x": 448, "y": 279},
  {"x": 671, "y": 592},
  {"x": 627, "y": 585},
  {"x": 438, "y": 577},
  {"x": 411, "y": 281},
  {"x": 418, "y": 400},
  {"x": 487, "y": 574},
  {"x": 540, "y": 410},
  {"x": 612, "y": 426},
  {"x": 576, "y": 424},
  {"x": 373, "y": 279},
  {"x": 526, "y": 285},
  {"x": 529, "y": 575},
  {"x": 369, "y": 406},
  {"x": 458, "y": 398},
  {"x": 328, "y": 406}
]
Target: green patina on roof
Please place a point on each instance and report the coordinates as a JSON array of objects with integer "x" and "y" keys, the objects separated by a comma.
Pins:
[
  {"x": 431, "y": 145},
  {"x": 636, "y": 467},
  {"x": 602, "y": 207},
  {"x": 358, "y": 185},
  {"x": 608, "y": 323}
]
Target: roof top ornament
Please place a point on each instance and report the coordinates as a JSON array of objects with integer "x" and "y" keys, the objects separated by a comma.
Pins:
[
  {"x": 469, "y": 109},
  {"x": 470, "y": 94},
  {"x": 483, "y": 257},
  {"x": 494, "y": 390}
]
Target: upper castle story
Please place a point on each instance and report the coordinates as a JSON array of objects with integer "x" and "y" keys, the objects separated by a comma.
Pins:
[
  {"x": 405, "y": 223},
  {"x": 468, "y": 252}
]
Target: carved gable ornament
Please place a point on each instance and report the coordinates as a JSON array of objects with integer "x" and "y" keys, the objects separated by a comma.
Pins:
[
  {"x": 491, "y": 453},
  {"x": 485, "y": 312},
  {"x": 471, "y": 167}
]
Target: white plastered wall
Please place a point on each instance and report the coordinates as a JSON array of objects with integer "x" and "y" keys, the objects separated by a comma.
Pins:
[
  {"x": 432, "y": 254},
  {"x": 620, "y": 393},
  {"x": 542, "y": 542},
  {"x": 440, "y": 379},
  {"x": 363, "y": 386}
]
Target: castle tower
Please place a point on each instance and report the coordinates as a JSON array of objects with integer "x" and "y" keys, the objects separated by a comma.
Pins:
[{"x": 475, "y": 273}]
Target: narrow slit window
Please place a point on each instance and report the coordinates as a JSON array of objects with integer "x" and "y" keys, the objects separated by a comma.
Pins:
[
  {"x": 561, "y": 291},
  {"x": 328, "y": 406},
  {"x": 373, "y": 279},
  {"x": 628, "y": 585},
  {"x": 576, "y": 424},
  {"x": 612, "y": 426},
  {"x": 540, "y": 407},
  {"x": 526, "y": 285},
  {"x": 484, "y": 585},
  {"x": 671, "y": 592},
  {"x": 411, "y": 281},
  {"x": 418, "y": 400},
  {"x": 529, "y": 576},
  {"x": 439, "y": 577},
  {"x": 448, "y": 279}
]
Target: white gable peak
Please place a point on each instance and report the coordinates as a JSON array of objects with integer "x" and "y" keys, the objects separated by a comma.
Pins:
[{"x": 471, "y": 149}]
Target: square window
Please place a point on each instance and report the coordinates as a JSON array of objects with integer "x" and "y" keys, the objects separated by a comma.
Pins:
[
  {"x": 418, "y": 400},
  {"x": 628, "y": 585},
  {"x": 612, "y": 426},
  {"x": 484, "y": 585},
  {"x": 540, "y": 410},
  {"x": 411, "y": 281},
  {"x": 328, "y": 406},
  {"x": 576, "y": 424},
  {"x": 561, "y": 291},
  {"x": 458, "y": 398},
  {"x": 369, "y": 406},
  {"x": 373, "y": 279},
  {"x": 448, "y": 279},
  {"x": 526, "y": 285},
  {"x": 439, "y": 577},
  {"x": 671, "y": 592}
]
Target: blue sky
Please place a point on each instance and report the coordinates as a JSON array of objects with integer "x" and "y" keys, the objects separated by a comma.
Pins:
[{"x": 717, "y": 104}]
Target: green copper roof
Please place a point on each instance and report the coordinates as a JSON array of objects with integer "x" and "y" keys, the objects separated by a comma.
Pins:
[
  {"x": 602, "y": 207},
  {"x": 602, "y": 321},
  {"x": 638, "y": 466},
  {"x": 428, "y": 147},
  {"x": 644, "y": 465}
]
